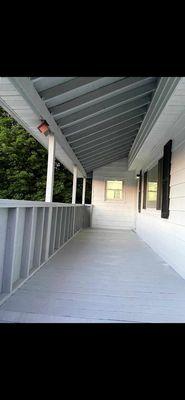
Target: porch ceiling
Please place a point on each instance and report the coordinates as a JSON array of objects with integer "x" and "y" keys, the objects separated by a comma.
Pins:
[{"x": 99, "y": 116}]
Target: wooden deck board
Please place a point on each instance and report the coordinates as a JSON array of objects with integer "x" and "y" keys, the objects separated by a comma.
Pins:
[{"x": 100, "y": 276}]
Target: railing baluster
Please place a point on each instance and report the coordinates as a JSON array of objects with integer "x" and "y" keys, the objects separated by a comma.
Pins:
[
  {"x": 72, "y": 216},
  {"x": 52, "y": 234},
  {"x": 44, "y": 236},
  {"x": 64, "y": 224},
  {"x": 9, "y": 252},
  {"x": 28, "y": 241},
  {"x": 18, "y": 244},
  {"x": 13, "y": 251},
  {"x": 73, "y": 225},
  {"x": 69, "y": 223},
  {"x": 32, "y": 240},
  {"x": 76, "y": 225},
  {"x": 60, "y": 231},
  {"x": 55, "y": 229},
  {"x": 48, "y": 233},
  {"x": 3, "y": 230},
  {"x": 38, "y": 238},
  {"x": 77, "y": 218},
  {"x": 58, "y": 227}
]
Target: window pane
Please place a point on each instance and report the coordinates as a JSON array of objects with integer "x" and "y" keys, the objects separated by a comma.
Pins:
[
  {"x": 152, "y": 191},
  {"x": 117, "y": 194},
  {"x": 110, "y": 195},
  {"x": 114, "y": 185},
  {"x": 152, "y": 187}
]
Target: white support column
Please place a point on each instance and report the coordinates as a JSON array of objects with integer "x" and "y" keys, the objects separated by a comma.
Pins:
[
  {"x": 75, "y": 173},
  {"x": 50, "y": 169},
  {"x": 83, "y": 191}
]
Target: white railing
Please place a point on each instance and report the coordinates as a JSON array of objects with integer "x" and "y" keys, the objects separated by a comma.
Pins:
[{"x": 30, "y": 233}]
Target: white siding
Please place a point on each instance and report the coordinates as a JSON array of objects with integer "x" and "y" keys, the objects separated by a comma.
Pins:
[
  {"x": 167, "y": 236},
  {"x": 114, "y": 214}
]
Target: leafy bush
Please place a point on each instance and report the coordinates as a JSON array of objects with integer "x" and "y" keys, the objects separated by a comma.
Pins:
[{"x": 23, "y": 167}]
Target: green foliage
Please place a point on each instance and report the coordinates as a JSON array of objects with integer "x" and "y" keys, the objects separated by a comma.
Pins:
[{"x": 23, "y": 167}]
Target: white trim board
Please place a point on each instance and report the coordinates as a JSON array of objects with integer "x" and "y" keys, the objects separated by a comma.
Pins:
[
  {"x": 21, "y": 100},
  {"x": 169, "y": 125}
]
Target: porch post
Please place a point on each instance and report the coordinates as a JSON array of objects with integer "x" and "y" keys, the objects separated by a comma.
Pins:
[
  {"x": 50, "y": 168},
  {"x": 83, "y": 191},
  {"x": 75, "y": 173}
]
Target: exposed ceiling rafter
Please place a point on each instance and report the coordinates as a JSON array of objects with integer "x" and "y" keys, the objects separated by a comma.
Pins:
[
  {"x": 98, "y": 95},
  {"x": 117, "y": 133},
  {"x": 102, "y": 141}
]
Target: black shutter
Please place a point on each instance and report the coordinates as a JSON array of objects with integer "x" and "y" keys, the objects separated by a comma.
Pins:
[
  {"x": 159, "y": 184},
  {"x": 166, "y": 179},
  {"x": 145, "y": 189},
  {"x": 140, "y": 186}
]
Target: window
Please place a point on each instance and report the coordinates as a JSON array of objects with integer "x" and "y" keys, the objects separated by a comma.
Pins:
[
  {"x": 159, "y": 186},
  {"x": 151, "y": 185},
  {"x": 145, "y": 189},
  {"x": 139, "y": 194},
  {"x": 113, "y": 190},
  {"x": 156, "y": 187},
  {"x": 152, "y": 179}
]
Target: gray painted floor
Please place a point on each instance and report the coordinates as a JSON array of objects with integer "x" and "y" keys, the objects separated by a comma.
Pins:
[{"x": 100, "y": 276}]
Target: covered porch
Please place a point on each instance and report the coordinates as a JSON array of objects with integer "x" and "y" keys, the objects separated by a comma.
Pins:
[
  {"x": 100, "y": 276},
  {"x": 121, "y": 258}
]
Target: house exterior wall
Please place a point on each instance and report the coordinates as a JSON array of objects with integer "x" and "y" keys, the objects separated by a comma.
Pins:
[
  {"x": 167, "y": 236},
  {"x": 116, "y": 214}
]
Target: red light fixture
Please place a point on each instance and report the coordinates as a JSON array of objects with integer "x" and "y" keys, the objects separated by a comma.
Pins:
[{"x": 44, "y": 128}]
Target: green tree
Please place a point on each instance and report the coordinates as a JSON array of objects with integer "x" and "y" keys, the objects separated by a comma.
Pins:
[{"x": 23, "y": 167}]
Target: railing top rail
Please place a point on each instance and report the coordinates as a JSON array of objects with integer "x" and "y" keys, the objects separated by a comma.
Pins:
[{"x": 4, "y": 203}]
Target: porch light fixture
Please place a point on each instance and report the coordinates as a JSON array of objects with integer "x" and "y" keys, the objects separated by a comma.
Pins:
[{"x": 44, "y": 128}]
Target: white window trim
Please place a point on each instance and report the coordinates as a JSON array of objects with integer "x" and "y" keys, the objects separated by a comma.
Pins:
[
  {"x": 153, "y": 165},
  {"x": 123, "y": 191},
  {"x": 151, "y": 211}
]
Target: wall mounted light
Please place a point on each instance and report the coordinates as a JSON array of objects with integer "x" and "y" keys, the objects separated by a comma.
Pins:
[{"x": 43, "y": 128}]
